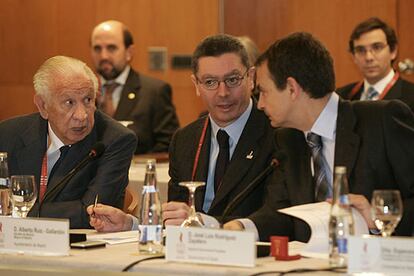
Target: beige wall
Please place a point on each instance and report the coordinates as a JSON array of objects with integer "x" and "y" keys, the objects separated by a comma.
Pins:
[{"x": 31, "y": 31}]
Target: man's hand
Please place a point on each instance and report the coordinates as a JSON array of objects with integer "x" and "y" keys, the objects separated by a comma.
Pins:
[
  {"x": 233, "y": 225},
  {"x": 174, "y": 213},
  {"x": 362, "y": 205},
  {"x": 106, "y": 218}
]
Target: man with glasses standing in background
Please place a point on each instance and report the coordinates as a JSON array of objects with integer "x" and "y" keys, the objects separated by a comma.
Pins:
[{"x": 373, "y": 45}]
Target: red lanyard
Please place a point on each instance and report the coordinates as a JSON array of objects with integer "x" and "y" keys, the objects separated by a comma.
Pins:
[
  {"x": 43, "y": 178},
  {"x": 200, "y": 144},
  {"x": 387, "y": 88}
]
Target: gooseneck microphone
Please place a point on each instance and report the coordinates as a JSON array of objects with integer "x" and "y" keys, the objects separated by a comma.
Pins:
[
  {"x": 96, "y": 151},
  {"x": 278, "y": 157}
]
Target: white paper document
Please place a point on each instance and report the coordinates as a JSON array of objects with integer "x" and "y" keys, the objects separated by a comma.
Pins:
[
  {"x": 316, "y": 215},
  {"x": 115, "y": 237}
]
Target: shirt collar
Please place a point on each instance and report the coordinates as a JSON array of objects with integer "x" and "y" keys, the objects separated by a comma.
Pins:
[
  {"x": 55, "y": 142},
  {"x": 235, "y": 129},
  {"x": 121, "y": 79},
  {"x": 380, "y": 85},
  {"x": 325, "y": 124}
]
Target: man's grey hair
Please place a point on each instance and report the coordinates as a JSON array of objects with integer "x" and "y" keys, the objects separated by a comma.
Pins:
[{"x": 61, "y": 68}]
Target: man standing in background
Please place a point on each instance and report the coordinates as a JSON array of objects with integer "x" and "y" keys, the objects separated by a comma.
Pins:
[
  {"x": 129, "y": 95},
  {"x": 373, "y": 45}
]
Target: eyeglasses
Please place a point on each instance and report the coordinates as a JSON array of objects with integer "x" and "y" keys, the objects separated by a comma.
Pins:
[
  {"x": 374, "y": 49},
  {"x": 230, "y": 82}
]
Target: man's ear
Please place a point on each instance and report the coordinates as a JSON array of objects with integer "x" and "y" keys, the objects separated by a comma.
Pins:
[
  {"x": 194, "y": 80},
  {"x": 394, "y": 53},
  {"x": 293, "y": 87},
  {"x": 130, "y": 52},
  {"x": 252, "y": 77},
  {"x": 41, "y": 106}
]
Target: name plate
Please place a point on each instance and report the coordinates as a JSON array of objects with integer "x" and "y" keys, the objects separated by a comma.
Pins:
[
  {"x": 210, "y": 246},
  {"x": 34, "y": 236},
  {"x": 383, "y": 255}
]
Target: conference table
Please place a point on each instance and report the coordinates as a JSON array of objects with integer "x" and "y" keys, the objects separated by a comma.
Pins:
[{"x": 114, "y": 258}]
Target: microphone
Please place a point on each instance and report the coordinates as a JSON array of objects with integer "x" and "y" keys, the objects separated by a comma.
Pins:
[
  {"x": 96, "y": 151},
  {"x": 278, "y": 157}
]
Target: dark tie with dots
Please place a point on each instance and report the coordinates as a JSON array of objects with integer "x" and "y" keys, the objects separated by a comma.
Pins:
[
  {"x": 63, "y": 151},
  {"x": 222, "y": 159},
  {"x": 323, "y": 189}
]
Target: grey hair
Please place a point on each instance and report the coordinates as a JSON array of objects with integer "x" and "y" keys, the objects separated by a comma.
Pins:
[{"x": 60, "y": 67}]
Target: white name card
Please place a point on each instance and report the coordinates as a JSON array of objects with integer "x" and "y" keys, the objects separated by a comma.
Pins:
[
  {"x": 34, "y": 236},
  {"x": 382, "y": 255},
  {"x": 210, "y": 246}
]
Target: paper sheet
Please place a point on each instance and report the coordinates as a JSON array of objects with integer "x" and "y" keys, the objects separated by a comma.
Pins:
[
  {"x": 316, "y": 215},
  {"x": 115, "y": 237}
]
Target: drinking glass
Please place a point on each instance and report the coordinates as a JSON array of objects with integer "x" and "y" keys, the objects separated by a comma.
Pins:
[
  {"x": 192, "y": 220},
  {"x": 387, "y": 210},
  {"x": 23, "y": 194}
]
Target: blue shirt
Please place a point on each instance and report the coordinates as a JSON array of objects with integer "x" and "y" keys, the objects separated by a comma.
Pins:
[{"x": 234, "y": 130}]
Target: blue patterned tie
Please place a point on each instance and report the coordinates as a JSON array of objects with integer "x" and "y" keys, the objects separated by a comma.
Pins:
[
  {"x": 372, "y": 94},
  {"x": 323, "y": 189}
]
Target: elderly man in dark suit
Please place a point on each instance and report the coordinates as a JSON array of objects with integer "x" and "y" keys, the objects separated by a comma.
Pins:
[
  {"x": 129, "y": 95},
  {"x": 373, "y": 140},
  {"x": 373, "y": 45},
  {"x": 49, "y": 144},
  {"x": 223, "y": 78}
]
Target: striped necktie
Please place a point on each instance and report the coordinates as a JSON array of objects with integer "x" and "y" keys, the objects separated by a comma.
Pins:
[
  {"x": 372, "y": 94},
  {"x": 323, "y": 189}
]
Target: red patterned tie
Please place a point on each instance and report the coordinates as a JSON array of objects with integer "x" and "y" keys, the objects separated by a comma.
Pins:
[{"x": 108, "y": 104}]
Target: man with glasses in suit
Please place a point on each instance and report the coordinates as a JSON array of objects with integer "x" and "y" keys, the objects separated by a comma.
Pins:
[{"x": 373, "y": 45}]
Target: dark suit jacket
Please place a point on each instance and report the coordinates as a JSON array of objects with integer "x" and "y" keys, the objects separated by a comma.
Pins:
[
  {"x": 24, "y": 138},
  {"x": 148, "y": 103},
  {"x": 374, "y": 141},
  {"x": 402, "y": 90},
  {"x": 257, "y": 137}
]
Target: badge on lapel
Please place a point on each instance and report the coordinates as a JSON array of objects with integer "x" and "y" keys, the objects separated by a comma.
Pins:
[
  {"x": 250, "y": 155},
  {"x": 131, "y": 95}
]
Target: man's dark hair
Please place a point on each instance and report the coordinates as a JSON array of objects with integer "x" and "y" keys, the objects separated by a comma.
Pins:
[
  {"x": 128, "y": 39},
  {"x": 216, "y": 45},
  {"x": 304, "y": 58},
  {"x": 371, "y": 24}
]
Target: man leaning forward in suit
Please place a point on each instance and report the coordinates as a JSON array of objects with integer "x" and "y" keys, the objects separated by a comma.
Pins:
[
  {"x": 129, "y": 95},
  {"x": 373, "y": 45},
  {"x": 223, "y": 78},
  {"x": 65, "y": 95},
  {"x": 373, "y": 140}
]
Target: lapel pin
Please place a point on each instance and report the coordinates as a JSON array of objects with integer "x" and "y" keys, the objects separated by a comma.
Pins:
[
  {"x": 250, "y": 155},
  {"x": 131, "y": 95}
]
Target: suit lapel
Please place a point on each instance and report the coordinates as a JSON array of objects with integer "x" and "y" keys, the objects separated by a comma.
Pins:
[
  {"x": 395, "y": 91},
  {"x": 75, "y": 154},
  {"x": 203, "y": 162},
  {"x": 129, "y": 96},
  {"x": 299, "y": 167},
  {"x": 239, "y": 164},
  {"x": 347, "y": 141},
  {"x": 29, "y": 158}
]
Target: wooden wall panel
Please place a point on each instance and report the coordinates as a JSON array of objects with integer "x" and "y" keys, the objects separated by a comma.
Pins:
[
  {"x": 405, "y": 32},
  {"x": 330, "y": 20},
  {"x": 32, "y": 31}
]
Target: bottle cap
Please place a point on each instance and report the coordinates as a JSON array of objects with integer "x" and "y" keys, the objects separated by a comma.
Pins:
[{"x": 340, "y": 169}]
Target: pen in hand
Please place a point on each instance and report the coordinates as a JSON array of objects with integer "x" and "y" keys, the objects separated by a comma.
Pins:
[{"x": 94, "y": 206}]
